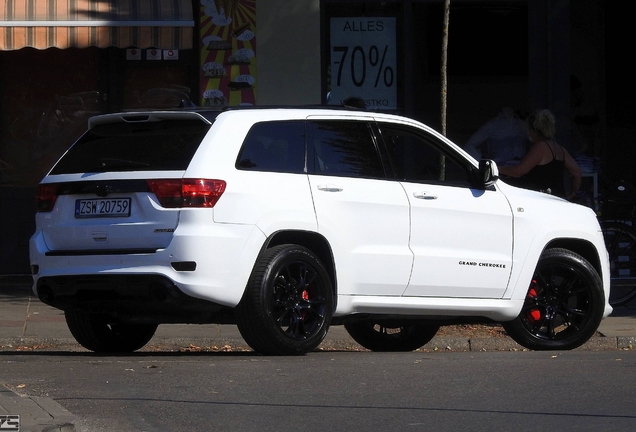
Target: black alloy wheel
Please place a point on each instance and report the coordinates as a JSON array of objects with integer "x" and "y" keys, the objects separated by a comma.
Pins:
[
  {"x": 564, "y": 304},
  {"x": 288, "y": 302},
  {"x": 398, "y": 337},
  {"x": 99, "y": 333}
]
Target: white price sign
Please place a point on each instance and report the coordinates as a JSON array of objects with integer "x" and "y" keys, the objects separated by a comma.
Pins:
[{"x": 364, "y": 61}]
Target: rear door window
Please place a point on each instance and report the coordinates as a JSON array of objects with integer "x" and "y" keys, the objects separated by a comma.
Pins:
[
  {"x": 145, "y": 146},
  {"x": 345, "y": 148}
]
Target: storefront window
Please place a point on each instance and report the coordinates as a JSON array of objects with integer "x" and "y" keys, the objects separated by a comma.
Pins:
[
  {"x": 48, "y": 96},
  {"x": 487, "y": 58},
  {"x": 362, "y": 54},
  {"x": 487, "y": 62},
  {"x": 485, "y": 39},
  {"x": 157, "y": 86}
]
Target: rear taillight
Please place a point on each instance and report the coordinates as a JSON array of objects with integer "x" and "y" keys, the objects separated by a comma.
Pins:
[
  {"x": 46, "y": 196},
  {"x": 177, "y": 193}
]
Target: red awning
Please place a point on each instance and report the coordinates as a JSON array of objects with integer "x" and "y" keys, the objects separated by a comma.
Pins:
[{"x": 163, "y": 24}]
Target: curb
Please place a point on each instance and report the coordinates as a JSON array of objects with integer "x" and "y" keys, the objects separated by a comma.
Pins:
[
  {"x": 157, "y": 345},
  {"x": 597, "y": 343},
  {"x": 36, "y": 413}
]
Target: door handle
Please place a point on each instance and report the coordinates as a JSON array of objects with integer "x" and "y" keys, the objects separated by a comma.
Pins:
[
  {"x": 329, "y": 188},
  {"x": 424, "y": 196}
]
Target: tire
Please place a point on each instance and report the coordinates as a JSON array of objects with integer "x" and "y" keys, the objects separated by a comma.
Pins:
[
  {"x": 564, "y": 304},
  {"x": 620, "y": 240},
  {"x": 391, "y": 337},
  {"x": 98, "y": 333},
  {"x": 288, "y": 302}
]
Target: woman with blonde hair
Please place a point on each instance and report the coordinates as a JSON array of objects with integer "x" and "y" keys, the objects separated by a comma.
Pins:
[{"x": 543, "y": 166}]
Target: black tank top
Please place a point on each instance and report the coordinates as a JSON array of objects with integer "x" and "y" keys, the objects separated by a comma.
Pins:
[{"x": 548, "y": 176}]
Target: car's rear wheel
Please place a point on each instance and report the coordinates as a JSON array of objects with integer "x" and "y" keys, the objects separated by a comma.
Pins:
[
  {"x": 391, "y": 336},
  {"x": 100, "y": 334},
  {"x": 288, "y": 302},
  {"x": 564, "y": 304}
]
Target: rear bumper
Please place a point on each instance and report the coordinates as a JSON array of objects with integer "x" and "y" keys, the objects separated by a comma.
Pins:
[
  {"x": 130, "y": 298},
  {"x": 211, "y": 264}
]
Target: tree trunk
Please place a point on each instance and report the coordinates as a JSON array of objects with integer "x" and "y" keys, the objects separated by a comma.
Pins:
[
  {"x": 444, "y": 82},
  {"x": 444, "y": 63}
]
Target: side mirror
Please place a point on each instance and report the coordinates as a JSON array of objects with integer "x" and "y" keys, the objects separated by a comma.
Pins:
[{"x": 488, "y": 173}]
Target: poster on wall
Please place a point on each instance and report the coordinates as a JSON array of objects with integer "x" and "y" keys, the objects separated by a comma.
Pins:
[
  {"x": 364, "y": 61},
  {"x": 228, "y": 52}
]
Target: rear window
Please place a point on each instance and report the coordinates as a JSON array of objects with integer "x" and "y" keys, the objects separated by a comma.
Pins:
[{"x": 147, "y": 146}]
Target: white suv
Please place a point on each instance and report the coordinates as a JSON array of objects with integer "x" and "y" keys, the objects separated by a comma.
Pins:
[{"x": 286, "y": 221}]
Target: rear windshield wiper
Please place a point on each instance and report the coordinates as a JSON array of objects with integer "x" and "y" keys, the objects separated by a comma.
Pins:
[
  {"x": 119, "y": 163},
  {"x": 106, "y": 164}
]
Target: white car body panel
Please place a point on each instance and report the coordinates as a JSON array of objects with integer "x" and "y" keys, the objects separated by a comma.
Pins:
[
  {"x": 437, "y": 307},
  {"x": 272, "y": 201},
  {"x": 465, "y": 232},
  {"x": 367, "y": 222},
  {"x": 541, "y": 219}
]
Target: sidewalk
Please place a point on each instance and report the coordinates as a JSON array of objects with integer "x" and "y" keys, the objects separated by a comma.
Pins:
[{"x": 26, "y": 324}]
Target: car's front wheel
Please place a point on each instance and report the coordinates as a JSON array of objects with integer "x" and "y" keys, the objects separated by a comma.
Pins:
[
  {"x": 377, "y": 336},
  {"x": 564, "y": 304},
  {"x": 288, "y": 302},
  {"x": 100, "y": 334}
]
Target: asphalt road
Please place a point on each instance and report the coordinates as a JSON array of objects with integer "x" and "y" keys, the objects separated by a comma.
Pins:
[{"x": 335, "y": 391}]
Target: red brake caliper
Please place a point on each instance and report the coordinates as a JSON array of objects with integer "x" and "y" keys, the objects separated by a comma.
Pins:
[
  {"x": 534, "y": 315},
  {"x": 305, "y": 296}
]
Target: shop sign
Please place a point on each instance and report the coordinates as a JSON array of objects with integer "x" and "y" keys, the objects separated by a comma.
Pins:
[
  {"x": 364, "y": 61},
  {"x": 153, "y": 54},
  {"x": 171, "y": 54},
  {"x": 133, "y": 54}
]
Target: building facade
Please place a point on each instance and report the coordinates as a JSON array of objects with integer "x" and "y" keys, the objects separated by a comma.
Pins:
[{"x": 62, "y": 61}]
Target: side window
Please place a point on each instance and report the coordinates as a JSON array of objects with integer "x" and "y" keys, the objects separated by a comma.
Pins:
[
  {"x": 419, "y": 158},
  {"x": 277, "y": 146},
  {"x": 345, "y": 148}
]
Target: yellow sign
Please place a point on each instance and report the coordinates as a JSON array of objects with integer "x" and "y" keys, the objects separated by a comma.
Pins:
[{"x": 228, "y": 52}]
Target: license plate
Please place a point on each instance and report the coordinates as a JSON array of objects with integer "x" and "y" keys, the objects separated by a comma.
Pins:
[{"x": 102, "y": 207}]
